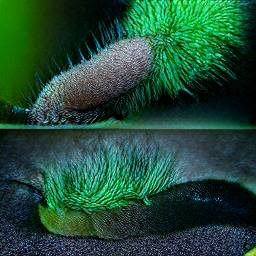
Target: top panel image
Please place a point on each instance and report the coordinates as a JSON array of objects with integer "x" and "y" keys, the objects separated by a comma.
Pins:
[{"x": 137, "y": 64}]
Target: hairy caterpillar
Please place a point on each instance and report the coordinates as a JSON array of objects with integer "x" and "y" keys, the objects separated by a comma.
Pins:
[
  {"x": 116, "y": 193},
  {"x": 162, "y": 46}
]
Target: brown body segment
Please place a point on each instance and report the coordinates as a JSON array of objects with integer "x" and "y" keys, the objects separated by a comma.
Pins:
[{"x": 112, "y": 72}]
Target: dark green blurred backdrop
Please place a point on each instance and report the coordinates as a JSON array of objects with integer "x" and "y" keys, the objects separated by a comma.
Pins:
[{"x": 32, "y": 32}]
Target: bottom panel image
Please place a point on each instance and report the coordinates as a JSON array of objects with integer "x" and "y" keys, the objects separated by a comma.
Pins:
[{"x": 127, "y": 192}]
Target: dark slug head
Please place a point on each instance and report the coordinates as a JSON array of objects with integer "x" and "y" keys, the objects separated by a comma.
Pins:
[{"x": 12, "y": 114}]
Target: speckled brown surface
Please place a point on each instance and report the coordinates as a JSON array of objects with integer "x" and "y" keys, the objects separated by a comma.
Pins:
[{"x": 94, "y": 82}]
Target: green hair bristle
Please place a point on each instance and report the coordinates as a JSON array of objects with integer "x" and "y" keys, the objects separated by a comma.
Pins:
[
  {"x": 137, "y": 98},
  {"x": 192, "y": 40},
  {"x": 108, "y": 178}
]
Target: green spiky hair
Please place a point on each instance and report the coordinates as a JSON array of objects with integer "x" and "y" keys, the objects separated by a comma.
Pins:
[
  {"x": 107, "y": 179},
  {"x": 192, "y": 40}
]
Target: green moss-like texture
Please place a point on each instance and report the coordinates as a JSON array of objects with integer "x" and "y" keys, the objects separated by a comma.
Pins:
[
  {"x": 251, "y": 252},
  {"x": 192, "y": 40}
]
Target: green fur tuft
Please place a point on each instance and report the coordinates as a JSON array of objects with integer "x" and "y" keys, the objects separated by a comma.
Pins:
[
  {"x": 107, "y": 179},
  {"x": 89, "y": 195},
  {"x": 193, "y": 40}
]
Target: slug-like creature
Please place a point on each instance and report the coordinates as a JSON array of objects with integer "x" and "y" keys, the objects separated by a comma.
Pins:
[
  {"x": 119, "y": 192},
  {"x": 162, "y": 46},
  {"x": 88, "y": 194}
]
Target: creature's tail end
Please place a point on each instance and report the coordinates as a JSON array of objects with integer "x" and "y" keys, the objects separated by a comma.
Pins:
[{"x": 12, "y": 114}]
